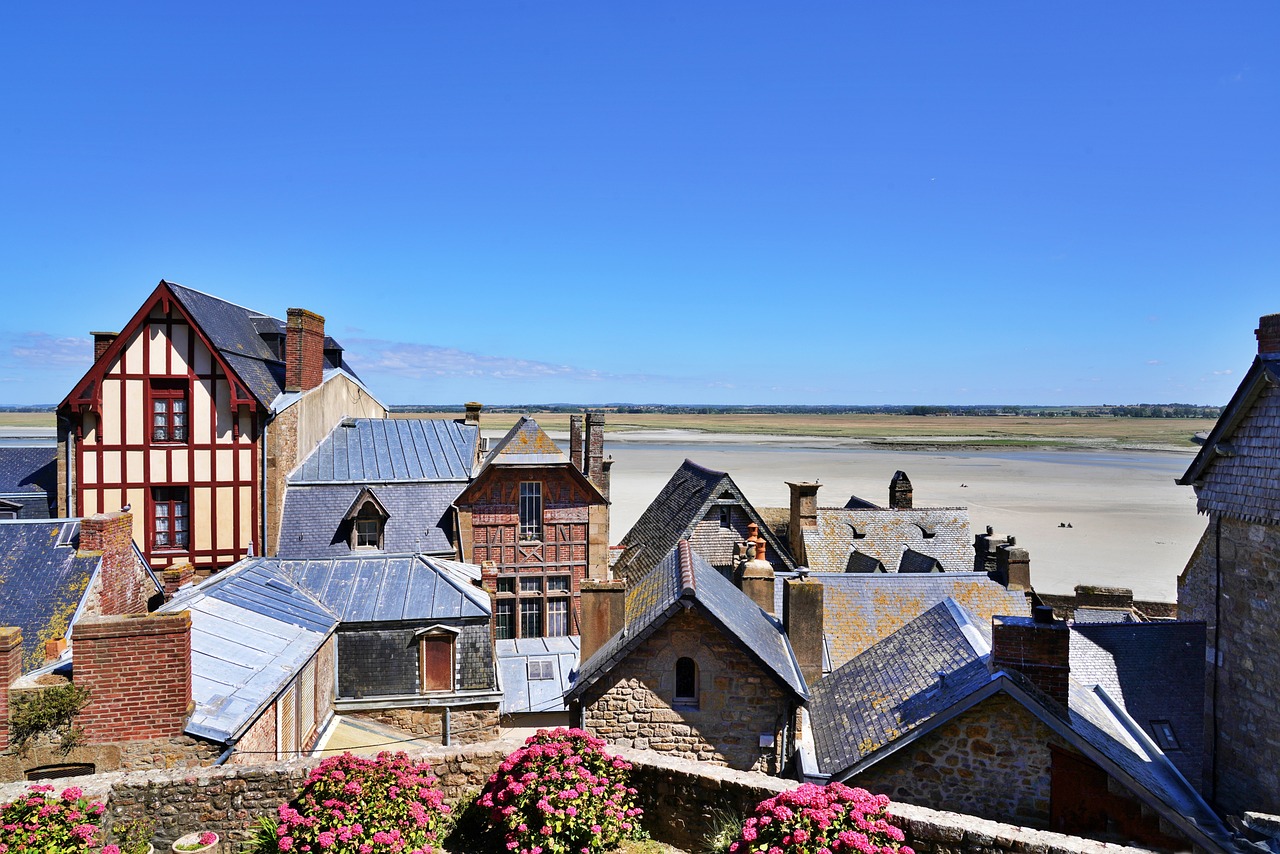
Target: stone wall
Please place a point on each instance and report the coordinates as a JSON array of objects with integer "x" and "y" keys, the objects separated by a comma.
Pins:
[
  {"x": 466, "y": 725},
  {"x": 737, "y": 700},
  {"x": 159, "y": 753},
  {"x": 676, "y": 795},
  {"x": 1245, "y": 556}
]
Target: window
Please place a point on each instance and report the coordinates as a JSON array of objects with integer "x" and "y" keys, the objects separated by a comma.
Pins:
[
  {"x": 686, "y": 682},
  {"x": 170, "y": 515},
  {"x": 168, "y": 410},
  {"x": 531, "y": 618},
  {"x": 1163, "y": 731},
  {"x": 368, "y": 529},
  {"x": 557, "y": 584},
  {"x": 726, "y": 517},
  {"x": 531, "y": 510},
  {"x": 541, "y": 670},
  {"x": 504, "y": 619},
  {"x": 558, "y": 617},
  {"x": 435, "y": 661},
  {"x": 533, "y": 605}
]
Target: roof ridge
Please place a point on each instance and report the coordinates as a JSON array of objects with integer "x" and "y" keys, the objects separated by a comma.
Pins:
[
  {"x": 219, "y": 299},
  {"x": 690, "y": 463},
  {"x": 688, "y": 581}
]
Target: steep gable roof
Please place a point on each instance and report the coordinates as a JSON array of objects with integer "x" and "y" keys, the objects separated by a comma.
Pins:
[
  {"x": 941, "y": 533},
  {"x": 1237, "y": 471},
  {"x": 673, "y": 514},
  {"x": 526, "y": 444},
  {"x": 683, "y": 579},
  {"x": 29, "y": 479}
]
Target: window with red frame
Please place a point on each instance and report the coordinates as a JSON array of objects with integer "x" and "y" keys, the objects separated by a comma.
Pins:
[
  {"x": 170, "y": 516},
  {"x": 168, "y": 411}
]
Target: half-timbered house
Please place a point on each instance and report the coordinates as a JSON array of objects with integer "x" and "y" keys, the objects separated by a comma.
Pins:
[{"x": 193, "y": 415}]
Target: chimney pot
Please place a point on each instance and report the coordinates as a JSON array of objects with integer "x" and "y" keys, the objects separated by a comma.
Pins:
[{"x": 1268, "y": 333}]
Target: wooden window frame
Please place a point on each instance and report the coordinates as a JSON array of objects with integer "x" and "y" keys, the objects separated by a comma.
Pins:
[
  {"x": 368, "y": 513},
  {"x": 167, "y": 391},
  {"x": 531, "y": 528},
  {"x": 544, "y": 588},
  {"x": 437, "y": 634},
  {"x": 169, "y": 497}
]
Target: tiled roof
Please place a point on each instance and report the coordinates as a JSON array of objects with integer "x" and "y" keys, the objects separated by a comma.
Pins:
[
  {"x": 41, "y": 583},
  {"x": 1237, "y": 471},
  {"x": 29, "y": 478},
  {"x": 388, "y": 588},
  {"x": 939, "y": 532},
  {"x": 860, "y": 609},
  {"x": 526, "y": 444},
  {"x": 1103, "y": 615},
  {"x": 252, "y": 630},
  {"x": 894, "y": 687},
  {"x": 384, "y": 450},
  {"x": 1156, "y": 671},
  {"x": 673, "y": 514},
  {"x": 312, "y": 524},
  {"x": 684, "y": 579},
  {"x": 555, "y": 660}
]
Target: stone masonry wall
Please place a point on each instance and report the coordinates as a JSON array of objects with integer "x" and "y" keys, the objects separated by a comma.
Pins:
[
  {"x": 677, "y": 796},
  {"x": 1246, "y": 769},
  {"x": 738, "y": 700},
  {"x": 991, "y": 761},
  {"x": 466, "y": 725}
]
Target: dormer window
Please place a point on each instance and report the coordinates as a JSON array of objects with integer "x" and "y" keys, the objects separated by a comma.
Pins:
[{"x": 368, "y": 519}]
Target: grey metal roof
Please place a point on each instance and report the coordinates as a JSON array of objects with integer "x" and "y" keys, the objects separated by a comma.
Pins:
[
  {"x": 522, "y": 694},
  {"x": 681, "y": 503},
  {"x": 938, "y": 532},
  {"x": 384, "y": 450},
  {"x": 389, "y": 588},
  {"x": 684, "y": 579},
  {"x": 29, "y": 478},
  {"x": 1103, "y": 615},
  {"x": 525, "y": 444},
  {"x": 861, "y": 608},
  {"x": 252, "y": 630},
  {"x": 312, "y": 524},
  {"x": 41, "y": 583}
]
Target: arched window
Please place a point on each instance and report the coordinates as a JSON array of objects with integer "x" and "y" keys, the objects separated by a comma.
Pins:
[{"x": 686, "y": 682}]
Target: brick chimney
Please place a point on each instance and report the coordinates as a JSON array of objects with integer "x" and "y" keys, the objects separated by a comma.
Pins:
[
  {"x": 122, "y": 582},
  {"x": 1013, "y": 565},
  {"x": 10, "y": 670},
  {"x": 577, "y": 447},
  {"x": 804, "y": 516},
  {"x": 900, "y": 491},
  {"x": 1268, "y": 333},
  {"x": 138, "y": 672},
  {"x": 595, "y": 450},
  {"x": 175, "y": 577},
  {"x": 101, "y": 341},
  {"x": 472, "y": 418},
  {"x": 604, "y": 613},
  {"x": 802, "y": 619},
  {"x": 303, "y": 350},
  {"x": 1039, "y": 647}
]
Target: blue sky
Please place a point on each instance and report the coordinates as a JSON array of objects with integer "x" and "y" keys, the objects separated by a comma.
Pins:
[{"x": 659, "y": 202}]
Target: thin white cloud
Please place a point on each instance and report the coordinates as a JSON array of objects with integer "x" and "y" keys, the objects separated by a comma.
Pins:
[
  {"x": 1154, "y": 362},
  {"x": 1222, "y": 373},
  {"x": 42, "y": 350}
]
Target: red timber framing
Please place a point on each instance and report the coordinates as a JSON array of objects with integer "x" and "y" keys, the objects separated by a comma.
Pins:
[{"x": 163, "y": 355}]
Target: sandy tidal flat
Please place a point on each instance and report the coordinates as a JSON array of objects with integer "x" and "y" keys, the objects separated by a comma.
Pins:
[{"x": 1131, "y": 525}]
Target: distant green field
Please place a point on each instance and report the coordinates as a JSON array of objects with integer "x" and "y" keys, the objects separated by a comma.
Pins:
[{"x": 27, "y": 419}]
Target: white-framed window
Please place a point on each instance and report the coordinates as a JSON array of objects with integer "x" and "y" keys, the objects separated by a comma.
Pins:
[
  {"x": 531, "y": 510},
  {"x": 170, "y": 517}
]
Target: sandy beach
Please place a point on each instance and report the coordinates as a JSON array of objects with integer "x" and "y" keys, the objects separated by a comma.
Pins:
[{"x": 1131, "y": 525}]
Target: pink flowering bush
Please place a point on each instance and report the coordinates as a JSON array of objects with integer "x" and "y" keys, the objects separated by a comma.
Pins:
[
  {"x": 39, "y": 821},
  {"x": 821, "y": 820},
  {"x": 353, "y": 805},
  {"x": 562, "y": 794}
]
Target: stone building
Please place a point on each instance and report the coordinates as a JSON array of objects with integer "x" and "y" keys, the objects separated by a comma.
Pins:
[
  {"x": 1231, "y": 580},
  {"x": 706, "y": 508},
  {"x": 192, "y": 415},
  {"x": 1020, "y": 720},
  {"x": 683, "y": 662}
]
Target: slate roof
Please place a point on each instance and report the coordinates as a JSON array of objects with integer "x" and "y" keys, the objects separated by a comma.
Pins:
[
  {"x": 522, "y": 694},
  {"x": 388, "y": 588},
  {"x": 313, "y": 526},
  {"x": 42, "y": 584},
  {"x": 392, "y": 450},
  {"x": 1237, "y": 470},
  {"x": 1156, "y": 671},
  {"x": 860, "y": 609},
  {"x": 29, "y": 478},
  {"x": 683, "y": 579},
  {"x": 939, "y": 532},
  {"x": 252, "y": 630},
  {"x": 526, "y": 444},
  {"x": 673, "y": 514}
]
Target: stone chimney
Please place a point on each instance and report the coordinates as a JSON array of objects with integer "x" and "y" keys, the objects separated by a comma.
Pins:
[
  {"x": 804, "y": 516},
  {"x": 604, "y": 614},
  {"x": 303, "y": 350},
  {"x": 984, "y": 551},
  {"x": 1268, "y": 333},
  {"x": 1038, "y": 647},
  {"x": 10, "y": 670},
  {"x": 802, "y": 618},
  {"x": 101, "y": 341},
  {"x": 122, "y": 582},
  {"x": 577, "y": 447},
  {"x": 606, "y": 477},
  {"x": 595, "y": 449},
  {"x": 472, "y": 418},
  {"x": 1013, "y": 566},
  {"x": 138, "y": 672},
  {"x": 900, "y": 491},
  {"x": 756, "y": 575},
  {"x": 177, "y": 576}
]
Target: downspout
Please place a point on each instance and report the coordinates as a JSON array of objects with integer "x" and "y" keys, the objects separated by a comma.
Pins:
[
  {"x": 262, "y": 498},
  {"x": 1217, "y": 652}
]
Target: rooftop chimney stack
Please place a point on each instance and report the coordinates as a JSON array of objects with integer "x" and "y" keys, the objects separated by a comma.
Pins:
[
  {"x": 984, "y": 551},
  {"x": 1013, "y": 566},
  {"x": 804, "y": 516},
  {"x": 900, "y": 491},
  {"x": 303, "y": 350},
  {"x": 472, "y": 418},
  {"x": 802, "y": 618},
  {"x": 1268, "y": 333},
  {"x": 122, "y": 582},
  {"x": 756, "y": 574},
  {"x": 604, "y": 613},
  {"x": 1038, "y": 647},
  {"x": 10, "y": 670},
  {"x": 577, "y": 447},
  {"x": 101, "y": 341},
  {"x": 595, "y": 449}
]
